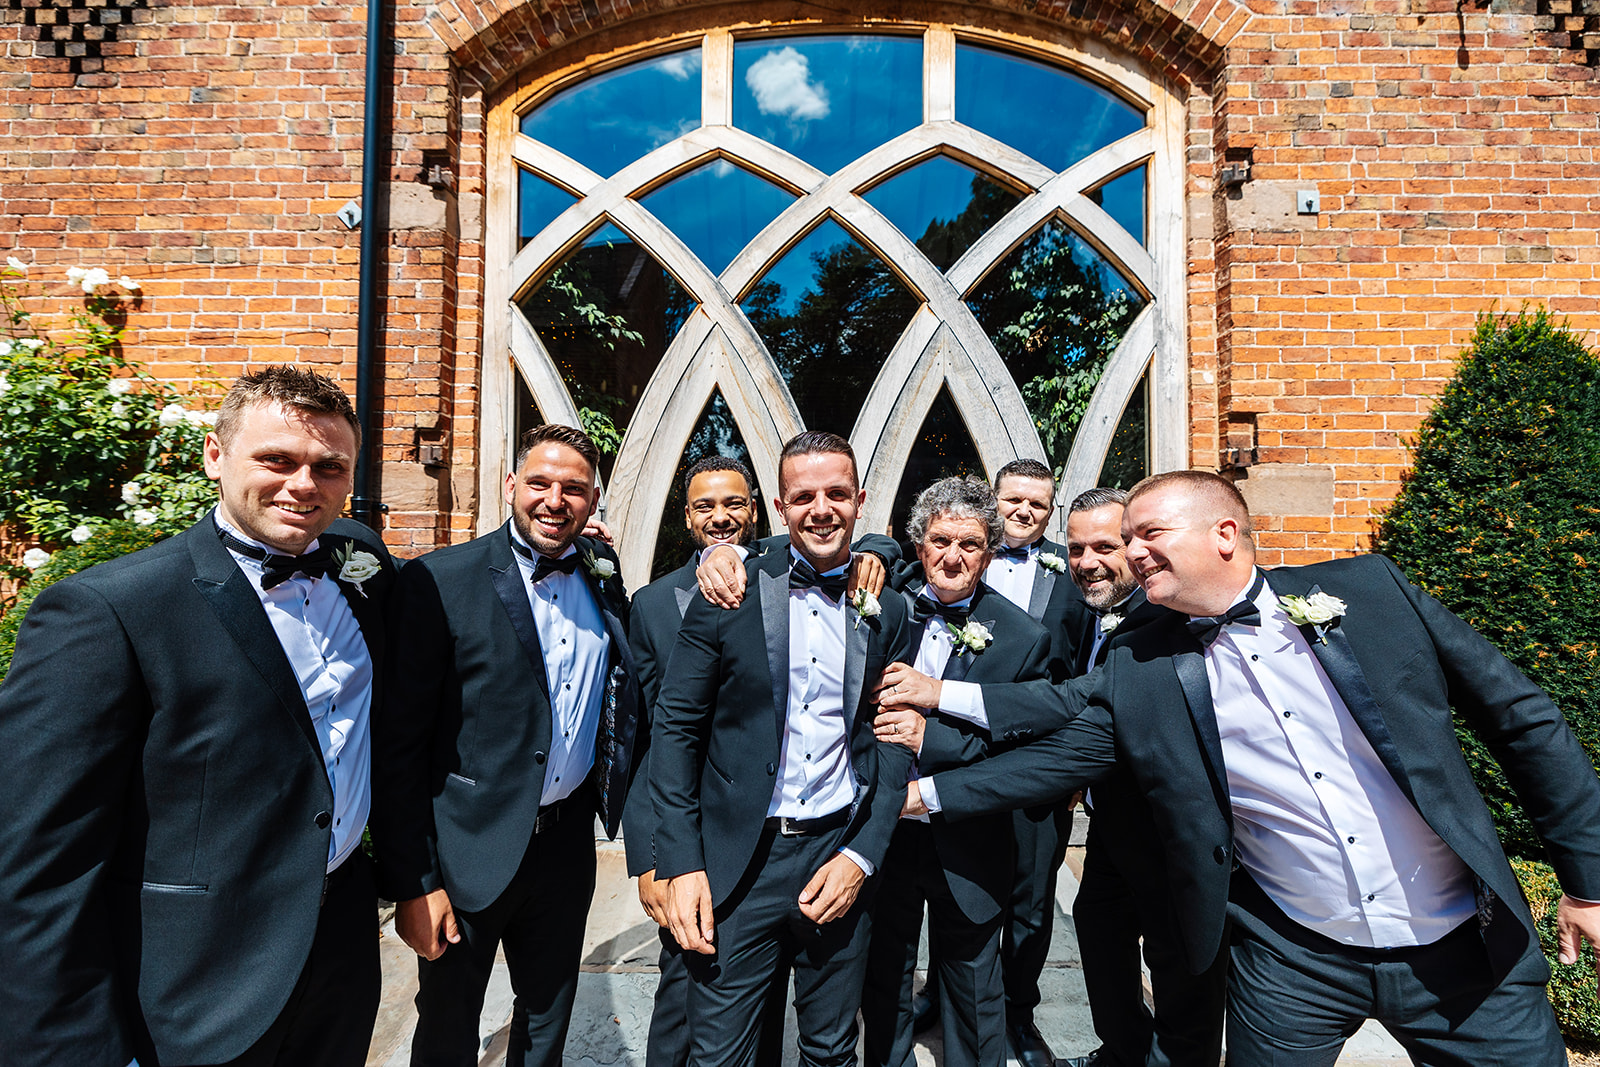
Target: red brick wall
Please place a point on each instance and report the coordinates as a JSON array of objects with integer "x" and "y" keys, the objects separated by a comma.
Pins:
[{"x": 206, "y": 147}]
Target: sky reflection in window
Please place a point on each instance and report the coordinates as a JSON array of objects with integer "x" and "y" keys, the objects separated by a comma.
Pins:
[
  {"x": 943, "y": 206},
  {"x": 538, "y": 204},
  {"x": 1123, "y": 199},
  {"x": 716, "y": 209}
]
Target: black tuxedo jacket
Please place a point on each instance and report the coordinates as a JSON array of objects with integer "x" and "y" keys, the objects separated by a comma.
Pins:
[
  {"x": 719, "y": 723},
  {"x": 976, "y": 853},
  {"x": 1057, "y": 603},
  {"x": 161, "y": 871},
  {"x": 460, "y": 750},
  {"x": 1136, "y": 611},
  {"x": 1400, "y": 661}
]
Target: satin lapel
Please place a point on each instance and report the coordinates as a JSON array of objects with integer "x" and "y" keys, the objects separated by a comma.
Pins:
[
  {"x": 228, "y": 591},
  {"x": 361, "y": 606},
  {"x": 1044, "y": 583},
  {"x": 1338, "y": 660},
  {"x": 857, "y": 632},
  {"x": 614, "y": 627},
  {"x": 685, "y": 598},
  {"x": 1190, "y": 666},
  {"x": 506, "y": 577},
  {"x": 774, "y": 592}
]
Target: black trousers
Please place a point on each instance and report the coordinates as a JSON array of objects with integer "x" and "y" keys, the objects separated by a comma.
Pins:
[
  {"x": 1295, "y": 996},
  {"x": 758, "y": 927},
  {"x": 1041, "y": 836},
  {"x": 328, "y": 1019},
  {"x": 539, "y": 920},
  {"x": 1107, "y": 923},
  {"x": 968, "y": 960},
  {"x": 668, "y": 1044}
]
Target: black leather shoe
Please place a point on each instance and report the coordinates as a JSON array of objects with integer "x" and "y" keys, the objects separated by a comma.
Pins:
[
  {"x": 924, "y": 1010},
  {"x": 1093, "y": 1059},
  {"x": 1030, "y": 1046}
]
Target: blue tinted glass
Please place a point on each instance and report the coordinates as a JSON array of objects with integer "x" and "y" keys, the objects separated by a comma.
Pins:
[
  {"x": 538, "y": 204},
  {"x": 827, "y": 99},
  {"x": 1055, "y": 117},
  {"x": 716, "y": 209},
  {"x": 1123, "y": 199},
  {"x": 610, "y": 120},
  {"x": 829, "y": 312},
  {"x": 1055, "y": 310},
  {"x": 943, "y": 206}
]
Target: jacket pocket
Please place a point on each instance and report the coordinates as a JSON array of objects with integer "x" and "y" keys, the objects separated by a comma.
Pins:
[
  {"x": 169, "y": 887},
  {"x": 463, "y": 779}
]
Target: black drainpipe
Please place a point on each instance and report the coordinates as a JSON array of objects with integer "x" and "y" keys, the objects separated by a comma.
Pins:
[{"x": 373, "y": 226}]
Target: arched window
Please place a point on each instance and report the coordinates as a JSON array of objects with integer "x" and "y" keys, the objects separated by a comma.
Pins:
[{"x": 950, "y": 250}]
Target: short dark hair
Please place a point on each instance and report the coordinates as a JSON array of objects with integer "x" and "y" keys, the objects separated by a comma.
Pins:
[
  {"x": 1096, "y": 498},
  {"x": 959, "y": 498},
  {"x": 303, "y": 390},
  {"x": 570, "y": 436},
  {"x": 1221, "y": 496},
  {"x": 811, "y": 442},
  {"x": 1023, "y": 468},
  {"x": 711, "y": 463}
]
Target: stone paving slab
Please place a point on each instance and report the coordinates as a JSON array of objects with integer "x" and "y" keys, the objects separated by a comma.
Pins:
[{"x": 617, "y": 985}]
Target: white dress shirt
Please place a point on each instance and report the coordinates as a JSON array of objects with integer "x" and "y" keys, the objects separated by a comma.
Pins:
[
  {"x": 815, "y": 775},
  {"x": 328, "y": 654},
  {"x": 1318, "y": 820},
  {"x": 577, "y": 648},
  {"x": 1013, "y": 578},
  {"x": 933, "y": 655}
]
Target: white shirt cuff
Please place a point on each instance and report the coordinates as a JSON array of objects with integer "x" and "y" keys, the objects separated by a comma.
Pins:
[
  {"x": 964, "y": 700},
  {"x": 856, "y": 858},
  {"x": 930, "y": 794}
]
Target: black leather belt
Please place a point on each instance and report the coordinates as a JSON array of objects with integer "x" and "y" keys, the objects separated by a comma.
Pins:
[
  {"x": 788, "y": 827},
  {"x": 550, "y": 814}
]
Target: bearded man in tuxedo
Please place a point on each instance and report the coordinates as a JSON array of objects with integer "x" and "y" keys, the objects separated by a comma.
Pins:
[
  {"x": 1291, "y": 733},
  {"x": 181, "y": 874},
  {"x": 510, "y": 725}
]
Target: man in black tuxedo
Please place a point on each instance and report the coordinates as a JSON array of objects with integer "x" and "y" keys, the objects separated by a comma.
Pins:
[
  {"x": 1293, "y": 739},
  {"x": 187, "y": 726},
  {"x": 1115, "y": 908},
  {"x": 768, "y": 783},
  {"x": 1031, "y": 572},
  {"x": 510, "y": 724},
  {"x": 967, "y": 634}
]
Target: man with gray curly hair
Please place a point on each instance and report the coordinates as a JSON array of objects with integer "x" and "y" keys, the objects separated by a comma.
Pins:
[{"x": 966, "y": 634}]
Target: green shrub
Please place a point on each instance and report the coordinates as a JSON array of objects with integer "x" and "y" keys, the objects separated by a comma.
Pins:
[
  {"x": 1500, "y": 520},
  {"x": 1572, "y": 986},
  {"x": 112, "y": 540}
]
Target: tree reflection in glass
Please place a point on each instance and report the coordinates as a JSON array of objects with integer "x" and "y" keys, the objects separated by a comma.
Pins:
[
  {"x": 943, "y": 449},
  {"x": 606, "y": 314},
  {"x": 829, "y": 312},
  {"x": 1128, "y": 458},
  {"x": 949, "y": 204},
  {"x": 827, "y": 99},
  {"x": 716, "y": 434},
  {"x": 1055, "y": 310},
  {"x": 716, "y": 208}
]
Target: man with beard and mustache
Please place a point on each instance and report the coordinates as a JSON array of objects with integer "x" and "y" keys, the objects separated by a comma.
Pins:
[
  {"x": 1117, "y": 873},
  {"x": 513, "y": 704}
]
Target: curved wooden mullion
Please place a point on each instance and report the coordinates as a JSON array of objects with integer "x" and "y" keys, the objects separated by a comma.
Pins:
[
  {"x": 905, "y": 401},
  {"x": 1106, "y": 404},
  {"x": 539, "y": 373}
]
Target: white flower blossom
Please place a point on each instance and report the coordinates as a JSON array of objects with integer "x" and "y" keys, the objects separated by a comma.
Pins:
[
  {"x": 1052, "y": 562},
  {"x": 974, "y": 636},
  {"x": 32, "y": 344},
  {"x": 1110, "y": 621},
  {"x": 130, "y": 493},
  {"x": 5, "y": 347},
  {"x": 1318, "y": 610},
  {"x": 866, "y": 605},
  {"x": 5, "y": 385},
  {"x": 119, "y": 386},
  {"x": 173, "y": 414},
  {"x": 356, "y": 567},
  {"x": 16, "y": 264},
  {"x": 35, "y": 558},
  {"x": 200, "y": 418},
  {"x": 600, "y": 568},
  {"x": 144, "y": 517},
  {"x": 128, "y": 283},
  {"x": 118, "y": 409},
  {"x": 80, "y": 534},
  {"x": 93, "y": 279},
  {"x": 75, "y": 275}
]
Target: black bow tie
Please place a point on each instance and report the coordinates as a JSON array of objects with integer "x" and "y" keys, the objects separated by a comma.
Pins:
[
  {"x": 804, "y": 576},
  {"x": 1019, "y": 554},
  {"x": 276, "y": 569},
  {"x": 544, "y": 566},
  {"x": 923, "y": 609},
  {"x": 1206, "y": 628}
]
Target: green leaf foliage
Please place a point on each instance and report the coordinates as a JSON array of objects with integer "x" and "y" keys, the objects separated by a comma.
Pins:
[
  {"x": 1572, "y": 986},
  {"x": 1499, "y": 519},
  {"x": 114, "y": 539}
]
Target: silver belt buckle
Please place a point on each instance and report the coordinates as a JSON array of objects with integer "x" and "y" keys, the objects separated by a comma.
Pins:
[{"x": 787, "y": 827}]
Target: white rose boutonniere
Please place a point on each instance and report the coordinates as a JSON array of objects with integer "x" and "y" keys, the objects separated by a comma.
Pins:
[
  {"x": 1316, "y": 609},
  {"x": 1110, "y": 621},
  {"x": 974, "y": 637},
  {"x": 600, "y": 568},
  {"x": 1052, "y": 562},
  {"x": 866, "y": 605},
  {"x": 355, "y": 566}
]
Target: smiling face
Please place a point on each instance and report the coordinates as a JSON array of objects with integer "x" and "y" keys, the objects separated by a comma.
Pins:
[
  {"x": 719, "y": 511},
  {"x": 551, "y": 496},
  {"x": 1026, "y": 505},
  {"x": 284, "y": 474},
  {"x": 1097, "y": 556},
  {"x": 954, "y": 554},
  {"x": 1187, "y": 555},
  {"x": 819, "y": 506}
]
